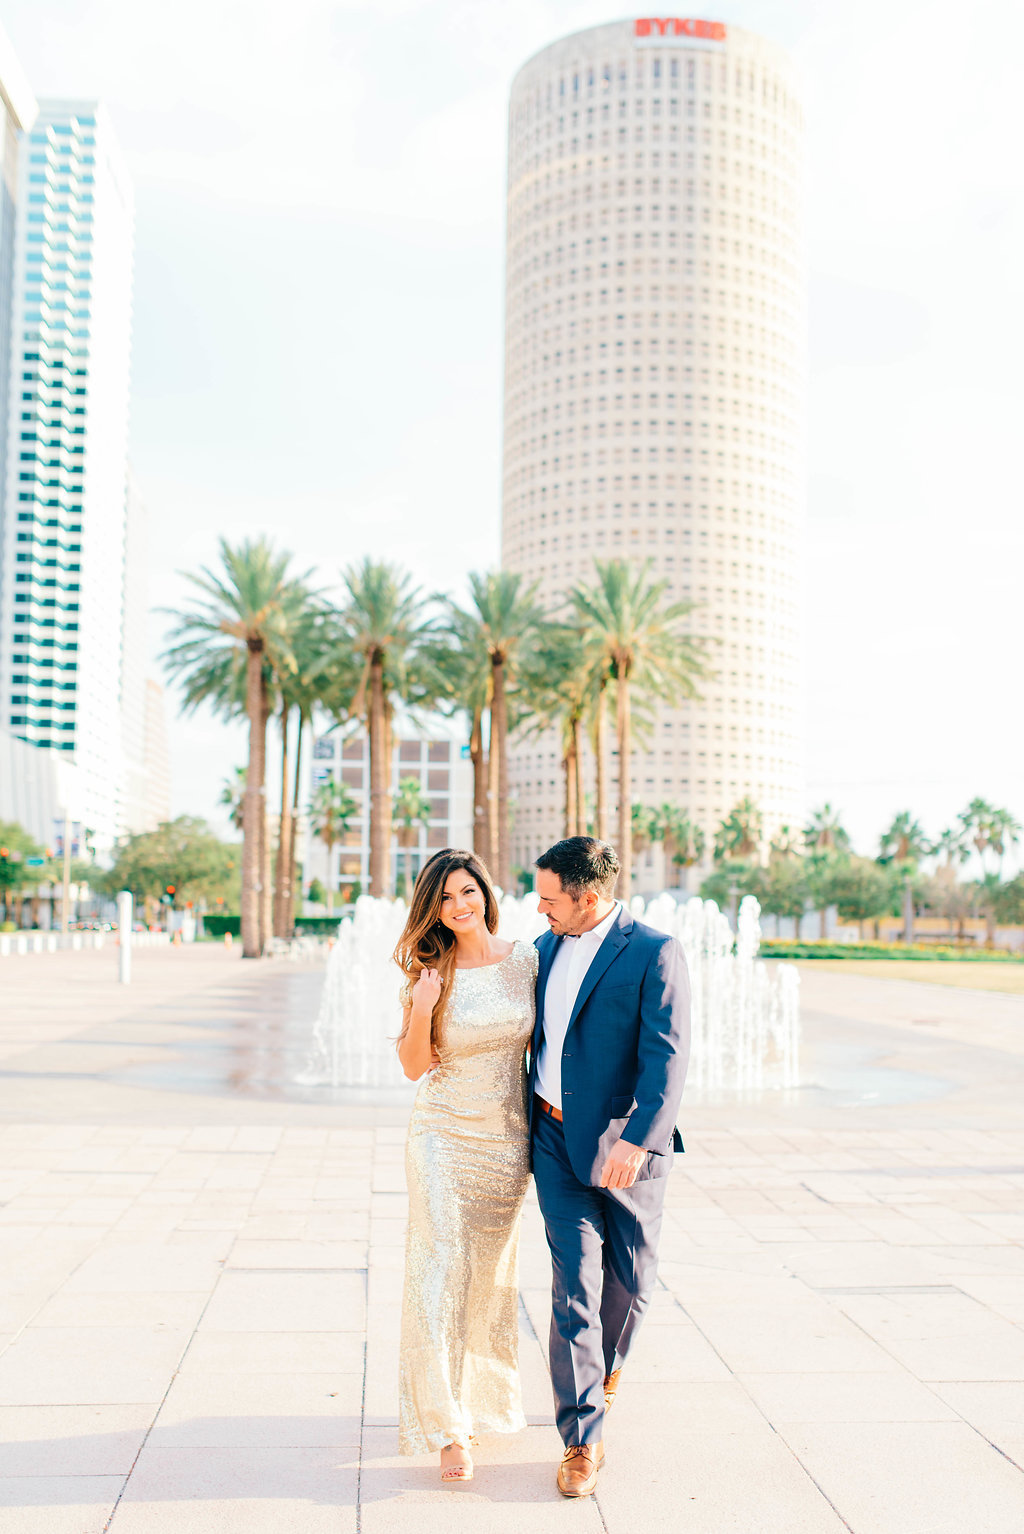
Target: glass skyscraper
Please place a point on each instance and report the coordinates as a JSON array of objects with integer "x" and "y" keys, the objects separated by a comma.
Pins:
[{"x": 64, "y": 521}]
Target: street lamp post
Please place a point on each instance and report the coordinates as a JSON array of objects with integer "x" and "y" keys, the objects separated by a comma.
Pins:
[
  {"x": 65, "y": 900},
  {"x": 124, "y": 937}
]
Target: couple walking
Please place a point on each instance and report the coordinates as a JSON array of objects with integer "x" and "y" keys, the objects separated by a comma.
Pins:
[{"x": 566, "y": 1059}]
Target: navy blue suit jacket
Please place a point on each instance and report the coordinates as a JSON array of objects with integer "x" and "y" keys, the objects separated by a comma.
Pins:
[{"x": 626, "y": 1048}]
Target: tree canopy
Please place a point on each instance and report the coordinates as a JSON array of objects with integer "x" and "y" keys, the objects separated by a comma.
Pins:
[{"x": 183, "y": 856}]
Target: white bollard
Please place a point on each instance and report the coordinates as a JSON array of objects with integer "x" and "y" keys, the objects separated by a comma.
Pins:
[{"x": 124, "y": 936}]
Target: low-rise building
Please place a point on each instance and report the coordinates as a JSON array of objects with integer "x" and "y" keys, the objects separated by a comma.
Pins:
[{"x": 435, "y": 754}]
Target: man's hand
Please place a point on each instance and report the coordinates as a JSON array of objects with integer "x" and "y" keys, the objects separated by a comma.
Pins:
[{"x": 623, "y": 1165}]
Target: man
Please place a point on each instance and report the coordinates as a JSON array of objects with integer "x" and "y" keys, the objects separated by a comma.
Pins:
[{"x": 607, "y": 1066}]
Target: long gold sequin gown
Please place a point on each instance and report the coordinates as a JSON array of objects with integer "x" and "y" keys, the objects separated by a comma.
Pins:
[{"x": 467, "y": 1168}]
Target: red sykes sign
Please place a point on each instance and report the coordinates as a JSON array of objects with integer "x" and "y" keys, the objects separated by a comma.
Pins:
[{"x": 675, "y": 26}]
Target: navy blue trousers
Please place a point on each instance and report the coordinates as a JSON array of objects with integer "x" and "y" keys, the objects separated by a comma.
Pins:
[{"x": 604, "y": 1259}]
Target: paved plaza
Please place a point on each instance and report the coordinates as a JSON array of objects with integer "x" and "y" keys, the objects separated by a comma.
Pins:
[{"x": 201, "y": 1272}]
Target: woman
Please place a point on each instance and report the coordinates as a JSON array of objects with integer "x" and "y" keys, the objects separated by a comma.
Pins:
[{"x": 468, "y": 1015}]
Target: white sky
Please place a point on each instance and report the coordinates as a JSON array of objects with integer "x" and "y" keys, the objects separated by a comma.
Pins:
[{"x": 318, "y": 342}]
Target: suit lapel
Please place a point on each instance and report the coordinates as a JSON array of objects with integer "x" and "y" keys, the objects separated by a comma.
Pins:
[
  {"x": 547, "y": 950},
  {"x": 615, "y": 941}
]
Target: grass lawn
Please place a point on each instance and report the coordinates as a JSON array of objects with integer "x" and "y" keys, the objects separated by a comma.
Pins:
[{"x": 973, "y": 973}]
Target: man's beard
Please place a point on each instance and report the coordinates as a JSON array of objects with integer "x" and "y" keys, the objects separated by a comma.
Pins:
[{"x": 573, "y": 927}]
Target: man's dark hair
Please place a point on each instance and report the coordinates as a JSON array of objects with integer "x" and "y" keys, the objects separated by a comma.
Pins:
[{"x": 582, "y": 863}]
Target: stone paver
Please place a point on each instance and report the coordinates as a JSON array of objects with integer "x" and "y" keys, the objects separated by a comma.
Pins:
[{"x": 200, "y": 1280}]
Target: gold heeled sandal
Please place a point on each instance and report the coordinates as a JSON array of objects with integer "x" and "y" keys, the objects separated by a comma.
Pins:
[{"x": 454, "y": 1473}]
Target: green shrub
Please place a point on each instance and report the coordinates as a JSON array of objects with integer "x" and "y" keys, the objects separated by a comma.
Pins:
[
  {"x": 316, "y": 926},
  {"x": 217, "y": 923},
  {"x": 780, "y": 948},
  {"x": 305, "y": 926}
]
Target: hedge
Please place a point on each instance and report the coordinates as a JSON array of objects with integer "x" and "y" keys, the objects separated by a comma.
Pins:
[
  {"x": 217, "y": 924},
  {"x": 780, "y": 948}
]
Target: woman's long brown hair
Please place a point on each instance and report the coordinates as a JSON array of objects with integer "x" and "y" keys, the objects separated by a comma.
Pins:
[{"x": 426, "y": 943}]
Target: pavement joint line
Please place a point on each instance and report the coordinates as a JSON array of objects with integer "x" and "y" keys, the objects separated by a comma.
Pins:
[
  {"x": 920, "y": 1171},
  {"x": 760, "y": 1409},
  {"x": 163, "y": 1400},
  {"x": 363, "y": 1269},
  {"x": 362, "y": 1403},
  {"x": 888, "y": 1289}
]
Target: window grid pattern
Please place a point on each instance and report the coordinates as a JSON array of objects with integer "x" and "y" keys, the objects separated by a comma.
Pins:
[{"x": 654, "y": 383}]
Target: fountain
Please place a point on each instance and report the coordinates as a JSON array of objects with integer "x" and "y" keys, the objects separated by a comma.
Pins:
[{"x": 745, "y": 1022}]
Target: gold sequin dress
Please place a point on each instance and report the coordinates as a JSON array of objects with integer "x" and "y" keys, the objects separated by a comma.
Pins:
[{"x": 467, "y": 1168}]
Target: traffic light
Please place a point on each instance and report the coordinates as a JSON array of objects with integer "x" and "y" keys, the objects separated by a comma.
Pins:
[{"x": 167, "y": 898}]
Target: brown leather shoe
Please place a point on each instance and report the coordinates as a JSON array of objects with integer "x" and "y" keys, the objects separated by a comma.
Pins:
[
  {"x": 577, "y": 1474},
  {"x": 611, "y": 1385}
]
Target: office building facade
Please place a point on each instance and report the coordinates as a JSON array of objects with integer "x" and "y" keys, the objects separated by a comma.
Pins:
[{"x": 654, "y": 383}]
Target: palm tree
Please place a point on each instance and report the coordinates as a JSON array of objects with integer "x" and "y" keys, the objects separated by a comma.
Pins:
[
  {"x": 976, "y": 820},
  {"x": 509, "y": 620},
  {"x": 554, "y": 685},
  {"x": 1004, "y": 832},
  {"x": 786, "y": 843},
  {"x": 643, "y": 645},
  {"x": 383, "y": 622},
  {"x": 903, "y": 845},
  {"x": 645, "y": 827},
  {"x": 681, "y": 839},
  {"x": 332, "y": 809},
  {"x": 232, "y": 796},
  {"x": 950, "y": 846},
  {"x": 986, "y": 892},
  {"x": 824, "y": 832},
  {"x": 411, "y": 810},
  {"x": 739, "y": 835},
  {"x": 322, "y": 665},
  {"x": 904, "y": 841},
  {"x": 464, "y": 663},
  {"x": 599, "y": 740},
  {"x": 240, "y": 630}
]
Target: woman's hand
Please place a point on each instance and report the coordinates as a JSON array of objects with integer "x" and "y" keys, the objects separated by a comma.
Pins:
[{"x": 427, "y": 990}]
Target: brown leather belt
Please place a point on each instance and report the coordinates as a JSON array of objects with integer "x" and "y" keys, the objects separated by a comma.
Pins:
[{"x": 552, "y": 1113}]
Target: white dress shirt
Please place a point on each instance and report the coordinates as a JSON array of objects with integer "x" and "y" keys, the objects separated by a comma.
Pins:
[{"x": 567, "y": 973}]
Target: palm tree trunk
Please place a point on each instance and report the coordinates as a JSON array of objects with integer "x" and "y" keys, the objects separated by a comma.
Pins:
[
  {"x": 601, "y": 766},
  {"x": 408, "y": 871},
  {"x": 389, "y": 756},
  {"x": 492, "y": 792},
  {"x": 581, "y": 795},
  {"x": 251, "y": 817},
  {"x": 380, "y": 784},
  {"x": 266, "y": 851},
  {"x": 329, "y": 844},
  {"x": 282, "y": 872},
  {"x": 499, "y": 718},
  {"x": 293, "y": 871},
  {"x": 624, "y": 730},
  {"x": 481, "y": 819},
  {"x": 569, "y": 768}
]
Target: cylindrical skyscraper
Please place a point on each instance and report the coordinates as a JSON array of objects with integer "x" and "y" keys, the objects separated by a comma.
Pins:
[{"x": 654, "y": 384}]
